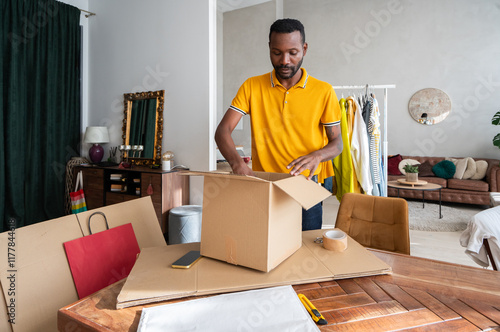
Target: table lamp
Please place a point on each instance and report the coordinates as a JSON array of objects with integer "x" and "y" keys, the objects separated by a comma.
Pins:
[{"x": 96, "y": 135}]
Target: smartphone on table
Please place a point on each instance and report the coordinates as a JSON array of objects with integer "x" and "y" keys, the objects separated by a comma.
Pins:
[{"x": 186, "y": 261}]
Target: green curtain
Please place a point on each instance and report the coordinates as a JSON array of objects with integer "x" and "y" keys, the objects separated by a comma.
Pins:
[
  {"x": 39, "y": 107},
  {"x": 142, "y": 130}
]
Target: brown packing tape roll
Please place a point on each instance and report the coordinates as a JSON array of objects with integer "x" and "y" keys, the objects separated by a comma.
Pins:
[{"x": 335, "y": 240}]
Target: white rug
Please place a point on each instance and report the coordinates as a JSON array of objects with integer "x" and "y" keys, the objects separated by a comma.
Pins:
[{"x": 427, "y": 218}]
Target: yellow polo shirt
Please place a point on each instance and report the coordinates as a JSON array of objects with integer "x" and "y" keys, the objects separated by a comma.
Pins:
[{"x": 287, "y": 124}]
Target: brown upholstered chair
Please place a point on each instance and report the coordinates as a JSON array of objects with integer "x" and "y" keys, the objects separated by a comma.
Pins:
[{"x": 375, "y": 222}]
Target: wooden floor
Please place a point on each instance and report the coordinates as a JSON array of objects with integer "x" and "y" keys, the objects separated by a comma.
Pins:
[{"x": 443, "y": 246}]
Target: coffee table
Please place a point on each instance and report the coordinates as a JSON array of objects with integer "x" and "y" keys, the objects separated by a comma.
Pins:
[{"x": 423, "y": 186}]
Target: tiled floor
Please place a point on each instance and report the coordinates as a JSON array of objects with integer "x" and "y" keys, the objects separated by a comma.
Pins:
[{"x": 443, "y": 246}]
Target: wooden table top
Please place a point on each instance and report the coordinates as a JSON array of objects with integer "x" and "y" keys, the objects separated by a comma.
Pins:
[
  {"x": 421, "y": 294},
  {"x": 427, "y": 186}
]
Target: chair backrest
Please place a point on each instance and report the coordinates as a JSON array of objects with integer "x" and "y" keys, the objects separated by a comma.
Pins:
[{"x": 375, "y": 222}]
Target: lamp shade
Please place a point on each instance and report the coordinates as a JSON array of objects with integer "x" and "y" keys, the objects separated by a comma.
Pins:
[{"x": 96, "y": 135}]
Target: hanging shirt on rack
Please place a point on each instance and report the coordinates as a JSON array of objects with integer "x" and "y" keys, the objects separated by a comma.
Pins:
[
  {"x": 342, "y": 164},
  {"x": 350, "y": 115},
  {"x": 374, "y": 139},
  {"x": 367, "y": 108},
  {"x": 350, "y": 125},
  {"x": 378, "y": 141},
  {"x": 360, "y": 150}
]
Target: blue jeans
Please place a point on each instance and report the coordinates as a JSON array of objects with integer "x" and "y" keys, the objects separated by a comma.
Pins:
[{"x": 313, "y": 218}]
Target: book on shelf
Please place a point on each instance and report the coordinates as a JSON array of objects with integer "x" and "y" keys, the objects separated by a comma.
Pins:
[
  {"x": 115, "y": 176},
  {"x": 116, "y": 187}
]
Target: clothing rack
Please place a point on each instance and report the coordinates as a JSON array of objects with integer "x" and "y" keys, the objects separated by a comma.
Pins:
[{"x": 385, "y": 87}]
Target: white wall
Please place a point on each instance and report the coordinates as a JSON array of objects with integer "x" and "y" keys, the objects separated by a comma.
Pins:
[
  {"x": 157, "y": 45},
  {"x": 452, "y": 45},
  {"x": 246, "y": 54}
]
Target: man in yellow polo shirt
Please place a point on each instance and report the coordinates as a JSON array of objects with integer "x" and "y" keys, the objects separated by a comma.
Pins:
[{"x": 295, "y": 118}]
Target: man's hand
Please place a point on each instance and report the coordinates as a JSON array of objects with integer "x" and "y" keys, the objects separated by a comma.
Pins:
[
  {"x": 310, "y": 162},
  {"x": 242, "y": 169}
]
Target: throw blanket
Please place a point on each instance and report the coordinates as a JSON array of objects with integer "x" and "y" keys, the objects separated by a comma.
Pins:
[{"x": 483, "y": 225}]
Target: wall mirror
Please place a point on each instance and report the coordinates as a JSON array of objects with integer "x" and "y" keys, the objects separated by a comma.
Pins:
[
  {"x": 429, "y": 106},
  {"x": 143, "y": 126}
]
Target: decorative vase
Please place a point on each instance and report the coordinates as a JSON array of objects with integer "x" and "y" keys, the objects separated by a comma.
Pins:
[{"x": 411, "y": 177}]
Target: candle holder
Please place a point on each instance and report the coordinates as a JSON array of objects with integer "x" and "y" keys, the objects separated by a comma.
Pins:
[{"x": 125, "y": 164}]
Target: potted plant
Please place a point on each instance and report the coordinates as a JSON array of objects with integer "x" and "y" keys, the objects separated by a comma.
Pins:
[
  {"x": 411, "y": 173},
  {"x": 496, "y": 121}
]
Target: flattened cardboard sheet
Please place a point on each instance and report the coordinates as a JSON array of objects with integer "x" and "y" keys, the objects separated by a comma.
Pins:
[
  {"x": 152, "y": 279},
  {"x": 4, "y": 318},
  {"x": 355, "y": 261},
  {"x": 139, "y": 212},
  {"x": 43, "y": 281},
  {"x": 152, "y": 275}
]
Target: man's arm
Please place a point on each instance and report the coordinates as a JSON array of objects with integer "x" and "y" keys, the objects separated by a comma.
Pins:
[
  {"x": 226, "y": 144},
  {"x": 328, "y": 152}
]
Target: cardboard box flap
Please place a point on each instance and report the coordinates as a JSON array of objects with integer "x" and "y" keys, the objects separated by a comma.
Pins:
[
  {"x": 224, "y": 175},
  {"x": 306, "y": 192}
]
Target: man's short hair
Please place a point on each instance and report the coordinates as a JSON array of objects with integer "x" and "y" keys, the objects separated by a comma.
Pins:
[{"x": 288, "y": 25}]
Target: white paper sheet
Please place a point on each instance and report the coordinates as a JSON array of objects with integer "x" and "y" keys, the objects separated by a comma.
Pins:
[{"x": 269, "y": 309}]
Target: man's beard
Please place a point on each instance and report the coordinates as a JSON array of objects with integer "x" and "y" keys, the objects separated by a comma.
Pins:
[{"x": 293, "y": 69}]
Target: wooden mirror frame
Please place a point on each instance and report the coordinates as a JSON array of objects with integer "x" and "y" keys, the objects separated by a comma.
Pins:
[{"x": 128, "y": 100}]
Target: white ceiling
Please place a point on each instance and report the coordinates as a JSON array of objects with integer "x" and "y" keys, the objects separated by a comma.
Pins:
[{"x": 229, "y": 5}]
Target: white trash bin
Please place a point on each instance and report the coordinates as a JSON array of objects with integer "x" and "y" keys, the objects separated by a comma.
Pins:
[{"x": 184, "y": 224}]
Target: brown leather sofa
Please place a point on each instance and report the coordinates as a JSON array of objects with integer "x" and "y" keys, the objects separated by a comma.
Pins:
[{"x": 454, "y": 190}]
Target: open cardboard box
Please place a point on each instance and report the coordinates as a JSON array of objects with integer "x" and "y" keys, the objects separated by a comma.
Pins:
[{"x": 255, "y": 221}]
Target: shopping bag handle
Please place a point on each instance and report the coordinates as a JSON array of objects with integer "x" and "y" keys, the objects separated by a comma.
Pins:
[
  {"x": 106, "y": 220},
  {"x": 79, "y": 181}
]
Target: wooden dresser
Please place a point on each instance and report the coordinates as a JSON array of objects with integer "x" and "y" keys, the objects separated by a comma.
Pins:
[{"x": 110, "y": 185}]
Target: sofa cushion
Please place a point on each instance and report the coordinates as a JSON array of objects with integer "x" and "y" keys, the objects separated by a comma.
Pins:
[
  {"x": 404, "y": 162},
  {"x": 470, "y": 170},
  {"x": 471, "y": 185},
  {"x": 425, "y": 169},
  {"x": 481, "y": 167},
  {"x": 444, "y": 169},
  {"x": 466, "y": 168},
  {"x": 434, "y": 179},
  {"x": 393, "y": 164}
]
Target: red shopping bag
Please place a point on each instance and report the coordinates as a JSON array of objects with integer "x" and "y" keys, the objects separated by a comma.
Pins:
[{"x": 100, "y": 259}]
